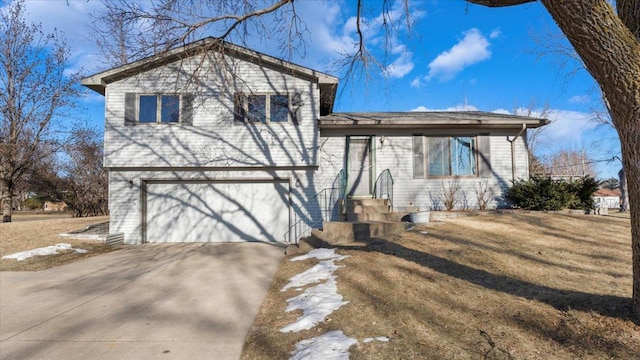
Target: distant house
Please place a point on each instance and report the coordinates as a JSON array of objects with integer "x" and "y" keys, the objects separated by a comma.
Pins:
[
  {"x": 607, "y": 198},
  {"x": 54, "y": 206},
  {"x": 251, "y": 147}
]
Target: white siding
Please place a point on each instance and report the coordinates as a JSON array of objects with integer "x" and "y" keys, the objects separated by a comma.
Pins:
[
  {"x": 213, "y": 139},
  {"x": 331, "y": 155}
]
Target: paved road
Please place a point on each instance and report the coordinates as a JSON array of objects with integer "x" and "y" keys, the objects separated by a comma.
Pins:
[{"x": 160, "y": 301}]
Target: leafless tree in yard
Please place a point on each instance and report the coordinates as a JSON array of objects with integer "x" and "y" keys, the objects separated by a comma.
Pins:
[
  {"x": 571, "y": 163},
  {"x": 35, "y": 94},
  {"x": 607, "y": 40},
  {"x": 86, "y": 180}
]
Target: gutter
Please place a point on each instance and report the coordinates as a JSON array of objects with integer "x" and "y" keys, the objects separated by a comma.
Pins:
[{"x": 513, "y": 151}]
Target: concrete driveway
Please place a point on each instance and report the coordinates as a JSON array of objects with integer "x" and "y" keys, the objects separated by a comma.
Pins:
[{"x": 160, "y": 301}]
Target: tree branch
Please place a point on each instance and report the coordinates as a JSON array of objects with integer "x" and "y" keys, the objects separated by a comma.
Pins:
[{"x": 500, "y": 3}]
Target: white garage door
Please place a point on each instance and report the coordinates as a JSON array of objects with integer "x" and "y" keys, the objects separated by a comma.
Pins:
[{"x": 216, "y": 211}]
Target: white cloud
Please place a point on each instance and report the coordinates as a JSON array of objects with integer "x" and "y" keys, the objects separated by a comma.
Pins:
[
  {"x": 495, "y": 33},
  {"x": 471, "y": 49},
  {"x": 459, "y": 107},
  {"x": 501, "y": 111},
  {"x": 416, "y": 83},
  {"x": 567, "y": 127},
  {"x": 402, "y": 65},
  {"x": 579, "y": 99}
]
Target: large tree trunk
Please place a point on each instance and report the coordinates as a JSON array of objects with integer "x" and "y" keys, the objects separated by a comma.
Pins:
[
  {"x": 630, "y": 139},
  {"x": 7, "y": 201}
]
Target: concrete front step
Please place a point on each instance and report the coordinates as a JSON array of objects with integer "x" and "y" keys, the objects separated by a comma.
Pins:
[
  {"x": 367, "y": 202},
  {"x": 388, "y": 216},
  {"x": 368, "y": 208},
  {"x": 335, "y": 232}
]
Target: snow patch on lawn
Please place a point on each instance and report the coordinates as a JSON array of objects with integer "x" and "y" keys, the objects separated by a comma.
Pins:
[
  {"x": 319, "y": 301},
  {"x": 43, "y": 251},
  {"x": 333, "y": 345},
  {"x": 316, "y": 303},
  {"x": 320, "y": 272}
]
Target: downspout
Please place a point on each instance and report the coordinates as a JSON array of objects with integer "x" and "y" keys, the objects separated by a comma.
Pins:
[{"x": 513, "y": 151}]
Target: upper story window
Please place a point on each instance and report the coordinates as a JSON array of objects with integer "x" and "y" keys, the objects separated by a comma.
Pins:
[
  {"x": 445, "y": 156},
  {"x": 262, "y": 108},
  {"x": 158, "y": 108}
]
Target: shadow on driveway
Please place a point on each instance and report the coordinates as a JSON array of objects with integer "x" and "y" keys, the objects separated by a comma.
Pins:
[{"x": 178, "y": 301}]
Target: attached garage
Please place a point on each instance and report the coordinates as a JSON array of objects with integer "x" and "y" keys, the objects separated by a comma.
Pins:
[{"x": 215, "y": 211}]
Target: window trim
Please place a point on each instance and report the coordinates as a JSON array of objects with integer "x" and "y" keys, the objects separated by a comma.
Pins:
[
  {"x": 241, "y": 108},
  {"x": 425, "y": 157},
  {"x": 159, "y": 108}
]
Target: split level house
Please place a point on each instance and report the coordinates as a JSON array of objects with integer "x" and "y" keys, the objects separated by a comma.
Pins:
[{"x": 213, "y": 142}]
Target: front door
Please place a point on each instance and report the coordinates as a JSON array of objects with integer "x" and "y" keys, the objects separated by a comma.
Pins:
[{"x": 359, "y": 167}]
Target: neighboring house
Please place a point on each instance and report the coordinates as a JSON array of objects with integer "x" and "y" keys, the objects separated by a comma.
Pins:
[
  {"x": 54, "y": 206},
  {"x": 606, "y": 198},
  {"x": 206, "y": 147}
]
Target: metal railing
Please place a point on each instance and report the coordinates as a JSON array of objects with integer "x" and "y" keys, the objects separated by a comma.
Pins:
[
  {"x": 326, "y": 205},
  {"x": 383, "y": 188}
]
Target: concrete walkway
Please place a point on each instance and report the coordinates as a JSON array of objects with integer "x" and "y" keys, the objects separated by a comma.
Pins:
[{"x": 178, "y": 301}]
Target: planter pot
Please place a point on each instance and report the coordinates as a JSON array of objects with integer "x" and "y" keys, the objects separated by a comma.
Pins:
[{"x": 419, "y": 217}]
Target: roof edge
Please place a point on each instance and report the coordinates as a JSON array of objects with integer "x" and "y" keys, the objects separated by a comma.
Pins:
[
  {"x": 98, "y": 81},
  {"x": 433, "y": 119}
]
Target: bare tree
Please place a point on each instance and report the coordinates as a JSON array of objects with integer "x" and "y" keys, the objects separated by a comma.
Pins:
[
  {"x": 86, "y": 189},
  {"x": 607, "y": 42},
  {"x": 112, "y": 34},
  {"x": 34, "y": 94},
  {"x": 571, "y": 163},
  {"x": 611, "y": 183}
]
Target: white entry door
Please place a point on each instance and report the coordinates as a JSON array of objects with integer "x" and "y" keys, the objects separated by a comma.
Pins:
[{"x": 359, "y": 167}]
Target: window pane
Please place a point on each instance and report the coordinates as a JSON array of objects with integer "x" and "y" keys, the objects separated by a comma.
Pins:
[
  {"x": 279, "y": 108},
  {"x": 418, "y": 157},
  {"x": 463, "y": 161},
  {"x": 257, "y": 109},
  {"x": 170, "y": 110},
  {"x": 148, "y": 108},
  {"x": 438, "y": 156}
]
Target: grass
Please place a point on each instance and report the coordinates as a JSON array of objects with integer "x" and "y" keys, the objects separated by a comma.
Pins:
[
  {"x": 29, "y": 234},
  {"x": 497, "y": 286}
]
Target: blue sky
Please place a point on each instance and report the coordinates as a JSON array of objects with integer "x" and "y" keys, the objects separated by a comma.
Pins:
[{"x": 457, "y": 56}]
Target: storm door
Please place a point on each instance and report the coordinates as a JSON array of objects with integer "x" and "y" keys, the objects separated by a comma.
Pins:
[{"x": 359, "y": 167}]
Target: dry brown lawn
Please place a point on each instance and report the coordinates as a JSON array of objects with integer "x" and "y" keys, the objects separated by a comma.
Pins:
[
  {"x": 31, "y": 234},
  {"x": 494, "y": 286}
]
